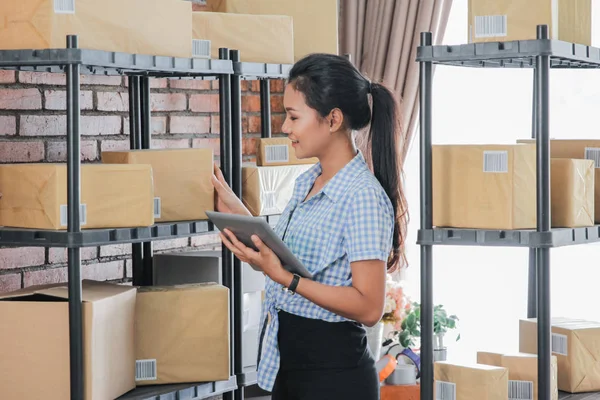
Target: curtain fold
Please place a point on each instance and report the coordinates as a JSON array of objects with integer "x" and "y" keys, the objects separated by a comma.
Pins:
[{"x": 381, "y": 37}]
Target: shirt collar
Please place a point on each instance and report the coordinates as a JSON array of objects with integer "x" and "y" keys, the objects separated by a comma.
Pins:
[{"x": 339, "y": 184}]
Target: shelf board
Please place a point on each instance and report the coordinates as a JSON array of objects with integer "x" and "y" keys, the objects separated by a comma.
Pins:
[
  {"x": 512, "y": 54},
  {"x": 97, "y": 62},
  {"x": 261, "y": 70},
  {"x": 192, "y": 391},
  {"x": 557, "y": 237},
  {"x": 101, "y": 237}
]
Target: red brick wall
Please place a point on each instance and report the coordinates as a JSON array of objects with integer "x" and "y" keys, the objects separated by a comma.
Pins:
[{"x": 33, "y": 128}]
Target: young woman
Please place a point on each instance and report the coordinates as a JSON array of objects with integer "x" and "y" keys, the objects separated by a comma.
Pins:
[{"x": 345, "y": 223}]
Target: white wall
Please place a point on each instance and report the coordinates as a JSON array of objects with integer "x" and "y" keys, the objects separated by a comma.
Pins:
[{"x": 487, "y": 287}]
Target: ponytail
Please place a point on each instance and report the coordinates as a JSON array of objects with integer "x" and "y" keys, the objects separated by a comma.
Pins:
[{"x": 383, "y": 138}]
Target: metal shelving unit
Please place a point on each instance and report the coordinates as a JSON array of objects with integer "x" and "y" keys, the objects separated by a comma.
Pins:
[{"x": 541, "y": 55}]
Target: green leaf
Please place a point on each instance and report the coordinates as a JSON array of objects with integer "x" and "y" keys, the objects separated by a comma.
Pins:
[{"x": 411, "y": 320}]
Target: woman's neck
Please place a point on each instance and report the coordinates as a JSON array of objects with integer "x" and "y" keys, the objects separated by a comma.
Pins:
[{"x": 336, "y": 158}]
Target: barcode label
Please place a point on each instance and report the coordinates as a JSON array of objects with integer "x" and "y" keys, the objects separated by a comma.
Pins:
[
  {"x": 64, "y": 213},
  {"x": 64, "y": 6},
  {"x": 559, "y": 344},
  {"x": 277, "y": 153},
  {"x": 593, "y": 153},
  {"x": 157, "y": 207},
  {"x": 270, "y": 203},
  {"x": 445, "y": 390},
  {"x": 495, "y": 161},
  {"x": 145, "y": 370},
  {"x": 491, "y": 26},
  {"x": 520, "y": 390},
  {"x": 201, "y": 48}
]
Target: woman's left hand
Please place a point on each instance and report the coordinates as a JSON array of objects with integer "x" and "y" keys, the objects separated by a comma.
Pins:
[{"x": 264, "y": 258}]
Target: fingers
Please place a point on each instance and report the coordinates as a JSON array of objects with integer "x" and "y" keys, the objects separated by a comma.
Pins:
[
  {"x": 239, "y": 245},
  {"x": 237, "y": 252},
  {"x": 220, "y": 177}
]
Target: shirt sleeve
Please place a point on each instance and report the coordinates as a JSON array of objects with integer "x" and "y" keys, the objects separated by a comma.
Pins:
[{"x": 369, "y": 227}]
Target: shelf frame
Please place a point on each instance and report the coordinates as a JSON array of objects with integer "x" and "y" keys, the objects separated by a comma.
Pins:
[{"x": 542, "y": 55}]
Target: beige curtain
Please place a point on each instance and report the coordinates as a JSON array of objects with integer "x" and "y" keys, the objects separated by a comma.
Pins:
[{"x": 381, "y": 36}]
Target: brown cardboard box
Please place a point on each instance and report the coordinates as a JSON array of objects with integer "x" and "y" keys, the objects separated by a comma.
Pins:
[
  {"x": 471, "y": 382},
  {"x": 182, "y": 334},
  {"x": 307, "y": 15},
  {"x": 522, "y": 373},
  {"x": 182, "y": 180},
  {"x": 279, "y": 151},
  {"x": 34, "y": 357},
  {"x": 267, "y": 190},
  {"x": 505, "y": 20},
  {"x": 272, "y": 35},
  {"x": 576, "y": 345},
  {"x": 578, "y": 149},
  {"x": 110, "y": 25},
  {"x": 494, "y": 187},
  {"x": 112, "y": 196}
]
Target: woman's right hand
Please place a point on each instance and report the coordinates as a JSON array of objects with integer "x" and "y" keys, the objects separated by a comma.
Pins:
[{"x": 226, "y": 200}]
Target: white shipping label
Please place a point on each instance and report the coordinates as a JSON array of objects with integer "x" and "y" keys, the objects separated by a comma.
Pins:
[
  {"x": 520, "y": 390},
  {"x": 64, "y": 6},
  {"x": 487, "y": 26},
  {"x": 445, "y": 390},
  {"x": 277, "y": 153},
  {"x": 593, "y": 153},
  {"x": 201, "y": 48},
  {"x": 560, "y": 344},
  {"x": 145, "y": 370},
  {"x": 495, "y": 161},
  {"x": 64, "y": 220},
  {"x": 157, "y": 207}
]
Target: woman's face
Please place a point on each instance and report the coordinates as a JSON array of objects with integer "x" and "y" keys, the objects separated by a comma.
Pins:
[{"x": 309, "y": 133}]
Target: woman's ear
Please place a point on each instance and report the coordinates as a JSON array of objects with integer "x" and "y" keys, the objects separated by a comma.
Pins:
[{"x": 335, "y": 120}]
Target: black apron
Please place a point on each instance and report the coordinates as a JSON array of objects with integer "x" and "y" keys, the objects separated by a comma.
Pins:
[{"x": 324, "y": 361}]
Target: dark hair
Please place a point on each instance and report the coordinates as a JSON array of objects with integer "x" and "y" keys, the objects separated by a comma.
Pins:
[{"x": 327, "y": 82}]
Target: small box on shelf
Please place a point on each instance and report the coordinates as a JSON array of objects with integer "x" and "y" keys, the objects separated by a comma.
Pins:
[
  {"x": 112, "y": 196},
  {"x": 470, "y": 382},
  {"x": 183, "y": 190},
  {"x": 259, "y": 38},
  {"x": 182, "y": 334},
  {"x": 278, "y": 151},
  {"x": 109, "y": 25},
  {"x": 506, "y": 20}
]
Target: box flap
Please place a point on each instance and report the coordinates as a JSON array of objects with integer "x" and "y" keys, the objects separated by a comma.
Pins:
[
  {"x": 92, "y": 291},
  {"x": 205, "y": 286}
]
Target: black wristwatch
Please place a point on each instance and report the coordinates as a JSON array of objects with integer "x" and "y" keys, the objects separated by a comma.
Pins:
[{"x": 292, "y": 288}]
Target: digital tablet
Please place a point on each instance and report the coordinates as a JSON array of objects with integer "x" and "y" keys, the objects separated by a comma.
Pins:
[{"x": 244, "y": 226}]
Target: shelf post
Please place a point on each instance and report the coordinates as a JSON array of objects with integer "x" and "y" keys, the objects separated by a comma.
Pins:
[
  {"x": 135, "y": 143},
  {"x": 542, "y": 73},
  {"x": 265, "y": 108},
  {"x": 225, "y": 116},
  {"x": 236, "y": 178},
  {"x": 74, "y": 225},
  {"x": 425, "y": 95},
  {"x": 532, "y": 268},
  {"x": 146, "y": 142}
]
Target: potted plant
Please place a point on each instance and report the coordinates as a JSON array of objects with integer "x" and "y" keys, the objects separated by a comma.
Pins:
[{"x": 410, "y": 329}]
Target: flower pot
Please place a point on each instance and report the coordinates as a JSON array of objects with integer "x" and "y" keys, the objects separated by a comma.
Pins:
[
  {"x": 440, "y": 352},
  {"x": 375, "y": 339}
]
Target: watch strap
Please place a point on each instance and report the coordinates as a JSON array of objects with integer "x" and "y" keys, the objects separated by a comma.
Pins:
[{"x": 294, "y": 285}]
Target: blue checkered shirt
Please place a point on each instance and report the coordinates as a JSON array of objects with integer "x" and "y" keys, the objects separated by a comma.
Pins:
[{"x": 350, "y": 219}]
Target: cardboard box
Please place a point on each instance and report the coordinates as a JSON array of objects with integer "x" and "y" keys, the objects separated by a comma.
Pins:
[
  {"x": 494, "y": 187},
  {"x": 182, "y": 334},
  {"x": 268, "y": 190},
  {"x": 35, "y": 322},
  {"x": 470, "y": 382},
  {"x": 579, "y": 149},
  {"x": 279, "y": 151},
  {"x": 112, "y": 196},
  {"x": 182, "y": 180},
  {"x": 272, "y": 36},
  {"x": 505, "y": 20},
  {"x": 522, "y": 373},
  {"x": 576, "y": 345},
  {"x": 109, "y": 25},
  {"x": 307, "y": 15}
]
